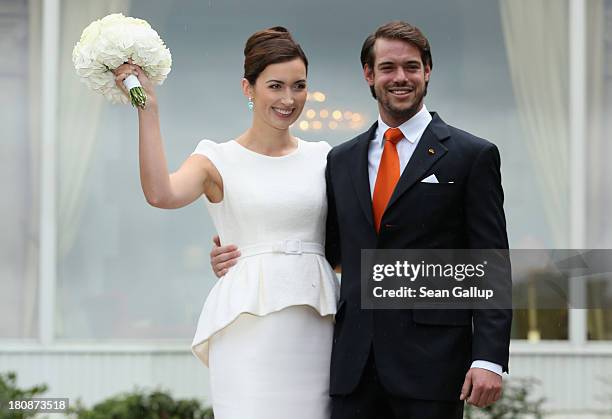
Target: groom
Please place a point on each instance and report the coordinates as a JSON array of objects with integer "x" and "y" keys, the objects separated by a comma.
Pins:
[
  {"x": 416, "y": 364},
  {"x": 411, "y": 364}
]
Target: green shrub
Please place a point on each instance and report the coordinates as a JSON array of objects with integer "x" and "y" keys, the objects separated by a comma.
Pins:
[
  {"x": 515, "y": 403},
  {"x": 142, "y": 405},
  {"x": 9, "y": 391}
]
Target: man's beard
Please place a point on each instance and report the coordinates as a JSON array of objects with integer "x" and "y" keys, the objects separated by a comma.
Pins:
[{"x": 400, "y": 112}]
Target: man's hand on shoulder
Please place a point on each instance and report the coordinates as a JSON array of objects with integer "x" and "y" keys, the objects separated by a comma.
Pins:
[
  {"x": 481, "y": 387},
  {"x": 222, "y": 257}
]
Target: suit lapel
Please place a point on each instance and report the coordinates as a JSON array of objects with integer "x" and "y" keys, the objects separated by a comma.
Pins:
[
  {"x": 359, "y": 171},
  {"x": 428, "y": 151}
]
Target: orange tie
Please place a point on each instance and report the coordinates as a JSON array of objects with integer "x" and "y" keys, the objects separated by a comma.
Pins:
[{"x": 388, "y": 175}]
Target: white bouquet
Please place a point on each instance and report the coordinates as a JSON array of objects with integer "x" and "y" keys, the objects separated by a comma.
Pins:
[{"x": 112, "y": 41}]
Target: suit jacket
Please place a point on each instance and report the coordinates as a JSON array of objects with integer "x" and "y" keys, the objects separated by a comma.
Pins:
[{"x": 422, "y": 354}]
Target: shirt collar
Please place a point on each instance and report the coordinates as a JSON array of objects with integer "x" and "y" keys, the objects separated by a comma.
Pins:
[{"x": 412, "y": 129}]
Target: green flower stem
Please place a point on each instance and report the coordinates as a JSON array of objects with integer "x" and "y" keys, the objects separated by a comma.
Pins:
[{"x": 138, "y": 96}]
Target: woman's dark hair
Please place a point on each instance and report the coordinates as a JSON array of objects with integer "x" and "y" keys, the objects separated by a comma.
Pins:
[{"x": 269, "y": 46}]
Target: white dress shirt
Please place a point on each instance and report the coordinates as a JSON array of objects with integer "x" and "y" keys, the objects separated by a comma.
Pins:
[{"x": 413, "y": 130}]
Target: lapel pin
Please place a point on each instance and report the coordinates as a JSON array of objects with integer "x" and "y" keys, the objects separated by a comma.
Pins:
[{"x": 431, "y": 151}]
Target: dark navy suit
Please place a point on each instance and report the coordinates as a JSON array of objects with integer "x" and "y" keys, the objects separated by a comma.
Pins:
[{"x": 414, "y": 354}]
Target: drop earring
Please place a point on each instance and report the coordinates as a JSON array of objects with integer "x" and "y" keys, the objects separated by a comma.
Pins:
[{"x": 250, "y": 104}]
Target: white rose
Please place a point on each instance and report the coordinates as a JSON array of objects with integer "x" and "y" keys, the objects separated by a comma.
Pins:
[
  {"x": 112, "y": 19},
  {"x": 137, "y": 22},
  {"x": 91, "y": 33}
]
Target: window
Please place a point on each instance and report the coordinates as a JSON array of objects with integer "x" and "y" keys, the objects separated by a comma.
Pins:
[
  {"x": 127, "y": 270},
  {"x": 19, "y": 164}
]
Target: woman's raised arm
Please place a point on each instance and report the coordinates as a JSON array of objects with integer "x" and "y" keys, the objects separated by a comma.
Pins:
[{"x": 196, "y": 176}]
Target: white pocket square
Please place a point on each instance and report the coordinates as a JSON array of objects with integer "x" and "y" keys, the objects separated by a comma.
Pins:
[{"x": 430, "y": 179}]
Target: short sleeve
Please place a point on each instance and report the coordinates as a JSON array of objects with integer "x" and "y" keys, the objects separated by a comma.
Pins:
[
  {"x": 205, "y": 148},
  {"x": 209, "y": 149}
]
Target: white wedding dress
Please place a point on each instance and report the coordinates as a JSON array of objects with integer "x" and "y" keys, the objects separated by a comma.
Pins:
[{"x": 266, "y": 327}]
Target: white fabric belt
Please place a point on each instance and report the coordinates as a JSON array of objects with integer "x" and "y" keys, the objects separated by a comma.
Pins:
[{"x": 288, "y": 247}]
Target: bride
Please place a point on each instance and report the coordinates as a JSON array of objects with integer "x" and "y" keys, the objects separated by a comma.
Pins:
[{"x": 266, "y": 328}]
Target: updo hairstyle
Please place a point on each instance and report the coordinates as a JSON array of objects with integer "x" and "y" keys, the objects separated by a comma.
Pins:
[{"x": 269, "y": 46}]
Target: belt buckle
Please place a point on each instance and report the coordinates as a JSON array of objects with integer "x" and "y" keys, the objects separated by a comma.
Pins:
[{"x": 292, "y": 247}]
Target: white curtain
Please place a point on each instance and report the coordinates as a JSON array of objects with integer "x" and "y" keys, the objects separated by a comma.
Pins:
[
  {"x": 537, "y": 44},
  {"x": 599, "y": 203},
  {"x": 79, "y": 114},
  {"x": 599, "y": 197},
  {"x": 536, "y": 38},
  {"x": 30, "y": 280},
  {"x": 79, "y": 117},
  {"x": 19, "y": 161}
]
